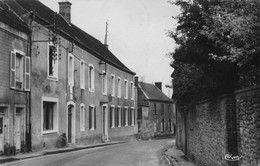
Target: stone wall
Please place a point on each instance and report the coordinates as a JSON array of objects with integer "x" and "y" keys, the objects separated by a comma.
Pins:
[
  {"x": 207, "y": 133},
  {"x": 227, "y": 125},
  {"x": 248, "y": 115}
]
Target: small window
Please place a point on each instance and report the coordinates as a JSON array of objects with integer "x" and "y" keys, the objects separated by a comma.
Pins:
[
  {"x": 53, "y": 62},
  {"x": 71, "y": 70},
  {"x": 126, "y": 116},
  {"x": 112, "y": 116},
  {"x": 113, "y": 85},
  {"x": 162, "y": 125},
  {"x": 132, "y": 91},
  {"x": 162, "y": 108},
  {"x": 82, "y": 74},
  {"x": 119, "y": 116},
  {"x": 92, "y": 118},
  {"x": 126, "y": 89},
  {"x": 82, "y": 117},
  {"x": 50, "y": 115},
  {"x": 155, "y": 109},
  {"x": 132, "y": 119},
  {"x": 20, "y": 71},
  {"x": 170, "y": 125},
  {"x": 91, "y": 77},
  {"x": 119, "y": 86},
  {"x": 104, "y": 83}
]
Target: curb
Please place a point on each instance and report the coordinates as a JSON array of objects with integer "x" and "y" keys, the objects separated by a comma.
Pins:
[
  {"x": 80, "y": 148},
  {"x": 56, "y": 151}
]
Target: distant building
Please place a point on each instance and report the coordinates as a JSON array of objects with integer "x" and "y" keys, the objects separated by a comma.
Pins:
[
  {"x": 78, "y": 86},
  {"x": 14, "y": 80},
  {"x": 156, "y": 111}
]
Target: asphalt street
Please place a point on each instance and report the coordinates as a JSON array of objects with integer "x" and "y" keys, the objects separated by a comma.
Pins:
[{"x": 139, "y": 153}]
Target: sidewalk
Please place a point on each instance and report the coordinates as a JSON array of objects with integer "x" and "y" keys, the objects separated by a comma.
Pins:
[
  {"x": 22, "y": 156},
  {"x": 177, "y": 157}
]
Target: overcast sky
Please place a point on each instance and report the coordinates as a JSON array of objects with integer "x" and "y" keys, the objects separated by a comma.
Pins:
[{"x": 136, "y": 32}]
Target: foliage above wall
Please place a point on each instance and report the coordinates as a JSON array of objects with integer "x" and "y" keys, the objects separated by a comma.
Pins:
[{"x": 218, "y": 47}]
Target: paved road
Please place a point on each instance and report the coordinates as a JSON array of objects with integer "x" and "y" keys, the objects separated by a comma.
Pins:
[{"x": 141, "y": 153}]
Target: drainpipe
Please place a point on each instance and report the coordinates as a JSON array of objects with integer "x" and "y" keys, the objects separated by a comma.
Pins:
[{"x": 29, "y": 129}]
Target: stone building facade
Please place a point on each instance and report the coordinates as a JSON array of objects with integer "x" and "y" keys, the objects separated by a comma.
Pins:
[
  {"x": 156, "y": 111},
  {"x": 78, "y": 87},
  {"x": 14, "y": 82}
]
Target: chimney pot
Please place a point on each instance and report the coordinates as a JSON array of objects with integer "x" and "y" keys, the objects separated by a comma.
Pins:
[
  {"x": 158, "y": 85},
  {"x": 136, "y": 81},
  {"x": 65, "y": 10}
]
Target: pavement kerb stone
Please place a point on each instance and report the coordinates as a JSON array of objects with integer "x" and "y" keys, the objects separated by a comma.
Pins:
[
  {"x": 55, "y": 151},
  {"x": 169, "y": 158},
  {"x": 176, "y": 157}
]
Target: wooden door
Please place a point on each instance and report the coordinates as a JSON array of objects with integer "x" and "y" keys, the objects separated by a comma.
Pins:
[
  {"x": 69, "y": 124},
  {"x": 17, "y": 131},
  {"x": 1, "y": 134}
]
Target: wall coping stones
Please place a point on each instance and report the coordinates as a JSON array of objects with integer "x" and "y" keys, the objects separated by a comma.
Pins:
[{"x": 252, "y": 88}]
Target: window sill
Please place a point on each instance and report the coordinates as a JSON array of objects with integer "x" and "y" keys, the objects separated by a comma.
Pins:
[
  {"x": 49, "y": 132},
  {"x": 92, "y": 129},
  {"x": 91, "y": 90},
  {"x": 52, "y": 78}
]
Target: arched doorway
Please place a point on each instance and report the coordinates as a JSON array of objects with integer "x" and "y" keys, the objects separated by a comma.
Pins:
[{"x": 71, "y": 122}]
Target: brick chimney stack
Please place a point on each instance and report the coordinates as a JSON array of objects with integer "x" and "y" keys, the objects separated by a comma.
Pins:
[
  {"x": 65, "y": 10},
  {"x": 158, "y": 85}
]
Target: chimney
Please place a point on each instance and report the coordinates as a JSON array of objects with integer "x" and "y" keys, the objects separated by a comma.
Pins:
[
  {"x": 136, "y": 81},
  {"x": 105, "y": 42},
  {"x": 158, "y": 85},
  {"x": 65, "y": 10}
]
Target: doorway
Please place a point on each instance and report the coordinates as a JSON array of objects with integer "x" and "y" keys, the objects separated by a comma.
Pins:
[
  {"x": 71, "y": 123},
  {"x": 18, "y": 128},
  {"x": 1, "y": 133}
]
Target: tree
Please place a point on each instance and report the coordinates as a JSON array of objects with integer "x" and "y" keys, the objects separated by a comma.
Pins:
[
  {"x": 235, "y": 27},
  {"x": 196, "y": 75}
]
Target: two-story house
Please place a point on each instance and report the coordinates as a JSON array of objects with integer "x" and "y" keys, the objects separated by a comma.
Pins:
[
  {"x": 14, "y": 80},
  {"x": 156, "y": 111},
  {"x": 78, "y": 86}
]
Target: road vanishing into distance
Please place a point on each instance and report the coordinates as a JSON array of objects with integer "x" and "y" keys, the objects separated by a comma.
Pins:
[{"x": 139, "y": 153}]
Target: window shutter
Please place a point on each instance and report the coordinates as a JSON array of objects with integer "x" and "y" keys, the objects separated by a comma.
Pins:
[
  {"x": 90, "y": 118},
  {"x": 122, "y": 117},
  {"x": 110, "y": 117},
  {"x": 129, "y": 116},
  {"x": 27, "y": 73},
  {"x": 95, "y": 123},
  {"x": 12, "y": 68},
  {"x": 134, "y": 116}
]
